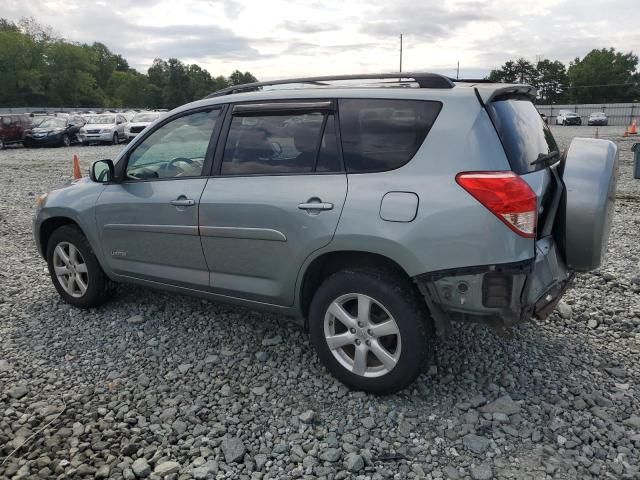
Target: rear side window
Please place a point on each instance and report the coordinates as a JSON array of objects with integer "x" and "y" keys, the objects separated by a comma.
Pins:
[
  {"x": 523, "y": 133},
  {"x": 379, "y": 135},
  {"x": 280, "y": 144}
]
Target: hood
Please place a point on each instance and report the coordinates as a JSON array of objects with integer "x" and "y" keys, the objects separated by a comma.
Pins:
[
  {"x": 93, "y": 126},
  {"x": 139, "y": 124},
  {"x": 45, "y": 130}
]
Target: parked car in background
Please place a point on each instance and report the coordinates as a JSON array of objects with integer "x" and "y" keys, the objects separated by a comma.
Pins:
[
  {"x": 139, "y": 122},
  {"x": 59, "y": 131},
  {"x": 567, "y": 117},
  {"x": 105, "y": 128},
  {"x": 359, "y": 209},
  {"x": 598, "y": 118},
  {"x": 12, "y": 129}
]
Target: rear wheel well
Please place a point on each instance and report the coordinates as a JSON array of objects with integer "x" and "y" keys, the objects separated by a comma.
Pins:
[
  {"x": 329, "y": 263},
  {"x": 49, "y": 226}
]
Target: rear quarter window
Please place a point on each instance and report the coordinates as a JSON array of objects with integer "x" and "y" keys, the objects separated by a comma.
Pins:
[
  {"x": 383, "y": 134},
  {"x": 523, "y": 133}
]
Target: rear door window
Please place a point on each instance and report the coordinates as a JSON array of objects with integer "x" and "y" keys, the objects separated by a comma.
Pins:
[
  {"x": 285, "y": 143},
  {"x": 523, "y": 133},
  {"x": 383, "y": 134}
]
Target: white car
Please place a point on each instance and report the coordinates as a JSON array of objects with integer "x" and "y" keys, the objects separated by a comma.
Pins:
[
  {"x": 103, "y": 128},
  {"x": 567, "y": 117},
  {"x": 138, "y": 123}
]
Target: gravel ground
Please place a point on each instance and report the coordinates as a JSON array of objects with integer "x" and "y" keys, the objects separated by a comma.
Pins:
[{"x": 156, "y": 385}]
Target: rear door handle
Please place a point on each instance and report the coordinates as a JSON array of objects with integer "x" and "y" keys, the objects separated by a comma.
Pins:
[
  {"x": 315, "y": 206},
  {"x": 183, "y": 202}
]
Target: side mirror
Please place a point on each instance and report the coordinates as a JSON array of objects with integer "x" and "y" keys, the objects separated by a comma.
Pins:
[{"x": 102, "y": 171}]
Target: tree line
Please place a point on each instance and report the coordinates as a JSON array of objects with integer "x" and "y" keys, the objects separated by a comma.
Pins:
[
  {"x": 601, "y": 76},
  {"x": 37, "y": 68}
]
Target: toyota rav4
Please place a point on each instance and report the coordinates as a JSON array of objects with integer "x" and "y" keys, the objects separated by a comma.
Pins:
[{"x": 377, "y": 208}]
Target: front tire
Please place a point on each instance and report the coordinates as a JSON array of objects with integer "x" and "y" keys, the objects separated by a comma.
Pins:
[
  {"x": 115, "y": 140},
  {"x": 371, "y": 329},
  {"x": 66, "y": 141},
  {"x": 75, "y": 270}
]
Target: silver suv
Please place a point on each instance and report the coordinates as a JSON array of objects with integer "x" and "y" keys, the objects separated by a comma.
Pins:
[{"x": 376, "y": 212}]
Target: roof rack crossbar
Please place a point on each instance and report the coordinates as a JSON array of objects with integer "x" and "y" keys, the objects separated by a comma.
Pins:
[{"x": 423, "y": 79}]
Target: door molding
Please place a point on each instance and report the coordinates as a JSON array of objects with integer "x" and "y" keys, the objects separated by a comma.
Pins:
[
  {"x": 244, "y": 233},
  {"x": 136, "y": 227}
]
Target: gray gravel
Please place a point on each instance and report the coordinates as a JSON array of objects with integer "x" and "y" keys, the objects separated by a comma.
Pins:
[{"x": 155, "y": 385}]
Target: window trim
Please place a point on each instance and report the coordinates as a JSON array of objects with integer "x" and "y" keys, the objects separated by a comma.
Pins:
[
  {"x": 119, "y": 176},
  {"x": 216, "y": 169},
  {"x": 282, "y": 108},
  {"x": 437, "y": 102}
]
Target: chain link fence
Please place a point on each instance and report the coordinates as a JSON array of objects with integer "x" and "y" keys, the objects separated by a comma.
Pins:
[{"x": 617, "y": 113}]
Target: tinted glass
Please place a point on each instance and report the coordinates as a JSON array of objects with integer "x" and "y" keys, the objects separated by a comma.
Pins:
[
  {"x": 380, "y": 135},
  {"x": 523, "y": 133},
  {"x": 274, "y": 144},
  {"x": 177, "y": 149}
]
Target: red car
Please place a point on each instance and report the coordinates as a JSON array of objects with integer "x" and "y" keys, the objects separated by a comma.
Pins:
[{"x": 12, "y": 129}]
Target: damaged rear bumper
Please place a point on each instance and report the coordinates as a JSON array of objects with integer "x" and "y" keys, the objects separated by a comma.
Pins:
[{"x": 504, "y": 293}]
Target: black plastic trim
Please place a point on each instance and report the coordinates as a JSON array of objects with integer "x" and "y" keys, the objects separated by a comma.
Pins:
[{"x": 514, "y": 268}]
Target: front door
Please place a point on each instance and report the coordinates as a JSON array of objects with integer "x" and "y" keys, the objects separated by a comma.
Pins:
[
  {"x": 149, "y": 220},
  {"x": 277, "y": 198}
]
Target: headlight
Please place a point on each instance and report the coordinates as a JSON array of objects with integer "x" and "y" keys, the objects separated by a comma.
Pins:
[
  {"x": 41, "y": 200},
  {"x": 55, "y": 131},
  {"x": 107, "y": 130}
]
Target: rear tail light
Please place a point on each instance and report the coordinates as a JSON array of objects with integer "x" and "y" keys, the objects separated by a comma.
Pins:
[{"x": 507, "y": 196}]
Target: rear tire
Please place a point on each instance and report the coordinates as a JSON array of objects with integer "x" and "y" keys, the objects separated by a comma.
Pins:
[
  {"x": 75, "y": 270},
  {"x": 66, "y": 141},
  {"x": 381, "y": 348},
  {"x": 2, "y": 145},
  {"x": 115, "y": 140}
]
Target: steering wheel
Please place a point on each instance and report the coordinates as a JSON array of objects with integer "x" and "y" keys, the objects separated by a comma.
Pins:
[
  {"x": 188, "y": 161},
  {"x": 276, "y": 147}
]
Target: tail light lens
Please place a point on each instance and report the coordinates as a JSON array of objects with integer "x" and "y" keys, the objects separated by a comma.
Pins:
[{"x": 507, "y": 196}]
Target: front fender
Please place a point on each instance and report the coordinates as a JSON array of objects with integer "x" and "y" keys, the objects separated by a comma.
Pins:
[{"x": 75, "y": 202}]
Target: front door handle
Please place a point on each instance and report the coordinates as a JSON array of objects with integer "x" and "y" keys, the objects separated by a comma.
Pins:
[
  {"x": 183, "y": 202},
  {"x": 315, "y": 206}
]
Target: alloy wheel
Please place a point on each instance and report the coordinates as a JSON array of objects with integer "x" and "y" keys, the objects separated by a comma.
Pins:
[
  {"x": 362, "y": 335},
  {"x": 70, "y": 269}
]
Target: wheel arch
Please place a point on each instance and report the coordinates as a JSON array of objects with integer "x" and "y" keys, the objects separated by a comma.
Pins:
[
  {"x": 328, "y": 263},
  {"x": 50, "y": 225}
]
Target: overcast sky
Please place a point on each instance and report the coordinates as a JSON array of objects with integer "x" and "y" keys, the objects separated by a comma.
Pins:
[{"x": 279, "y": 38}]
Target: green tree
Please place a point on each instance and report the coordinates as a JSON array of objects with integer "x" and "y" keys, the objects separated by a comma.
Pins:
[
  {"x": 239, "y": 78},
  {"x": 39, "y": 69},
  {"x": 519, "y": 71},
  {"x": 603, "y": 75},
  {"x": 551, "y": 80},
  {"x": 129, "y": 89},
  {"x": 70, "y": 76}
]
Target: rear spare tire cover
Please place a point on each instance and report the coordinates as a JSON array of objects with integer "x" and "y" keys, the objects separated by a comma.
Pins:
[{"x": 590, "y": 176}]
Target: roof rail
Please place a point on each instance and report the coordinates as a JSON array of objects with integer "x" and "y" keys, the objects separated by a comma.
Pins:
[{"x": 423, "y": 79}]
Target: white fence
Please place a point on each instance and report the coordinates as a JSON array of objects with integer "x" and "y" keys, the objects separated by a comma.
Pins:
[{"x": 618, "y": 113}]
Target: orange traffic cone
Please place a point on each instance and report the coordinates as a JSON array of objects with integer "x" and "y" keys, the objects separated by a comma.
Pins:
[
  {"x": 76, "y": 167},
  {"x": 633, "y": 128}
]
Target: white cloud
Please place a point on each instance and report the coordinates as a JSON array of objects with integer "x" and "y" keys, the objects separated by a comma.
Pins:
[{"x": 276, "y": 38}]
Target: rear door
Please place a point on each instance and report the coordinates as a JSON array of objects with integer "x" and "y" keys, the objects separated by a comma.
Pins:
[
  {"x": 275, "y": 197},
  {"x": 148, "y": 222}
]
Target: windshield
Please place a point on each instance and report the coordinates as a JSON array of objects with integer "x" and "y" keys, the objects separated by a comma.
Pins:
[
  {"x": 523, "y": 133},
  {"x": 102, "y": 119},
  {"x": 53, "y": 123},
  {"x": 145, "y": 117},
  {"x": 38, "y": 121}
]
